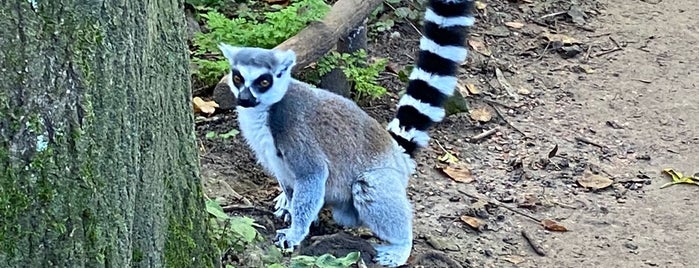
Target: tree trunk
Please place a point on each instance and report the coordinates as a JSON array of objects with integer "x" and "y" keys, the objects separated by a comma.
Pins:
[{"x": 98, "y": 163}]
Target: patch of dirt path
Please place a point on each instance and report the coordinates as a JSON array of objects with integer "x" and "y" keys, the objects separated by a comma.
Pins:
[
  {"x": 650, "y": 90},
  {"x": 640, "y": 104}
]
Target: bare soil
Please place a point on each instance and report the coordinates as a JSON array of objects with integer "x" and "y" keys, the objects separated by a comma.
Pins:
[{"x": 618, "y": 101}]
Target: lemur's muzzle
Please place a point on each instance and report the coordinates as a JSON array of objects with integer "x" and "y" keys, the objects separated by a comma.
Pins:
[{"x": 246, "y": 99}]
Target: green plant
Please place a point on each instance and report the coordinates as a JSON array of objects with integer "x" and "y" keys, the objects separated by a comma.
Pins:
[
  {"x": 268, "y": 32},
  {"x": 231, "y": 133},
  {"x": 358, "y": 71},
  {"x": 230, "y": 233},
  {"x": 381, "y": 20},
  {"x": 324, "y": 261}
]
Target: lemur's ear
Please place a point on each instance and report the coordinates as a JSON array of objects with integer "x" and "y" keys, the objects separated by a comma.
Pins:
[
  {"x": 228, "y": 51},
  {"x": 286, "y": 59}
]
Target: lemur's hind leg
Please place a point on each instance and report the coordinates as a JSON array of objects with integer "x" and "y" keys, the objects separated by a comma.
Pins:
[
  {"x": 346, "y": 215},
  {"x": 381, "y": 202}
]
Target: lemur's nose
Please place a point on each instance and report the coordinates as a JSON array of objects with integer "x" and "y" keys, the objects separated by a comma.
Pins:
[{"x": 246, "y": 99}]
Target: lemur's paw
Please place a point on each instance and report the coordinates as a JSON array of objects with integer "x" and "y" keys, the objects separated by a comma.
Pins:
[
  {"x": 288, "y": 239},
  {"x": 282, "y": 208},
  {"x": 392, "y": 255}
]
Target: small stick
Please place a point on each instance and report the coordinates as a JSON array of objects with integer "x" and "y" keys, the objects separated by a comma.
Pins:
[
  {"x": 231, "y": 208},
  {"x": 541, "y": 56},
  {"x": 615, "y": 42},
  {"x": 608, "y": 52},
  {"x": 484, "y": 134},
  {"x": 506, "y": 121},
  {"x": 496, "y": 203},
  {"x": 553, "y": 14},
  {"x": 598, "y": 35},
  {"x": 589, "y": 50},
  {"x": 536, "y": 247},
  {"x": 590, "y": 142}
]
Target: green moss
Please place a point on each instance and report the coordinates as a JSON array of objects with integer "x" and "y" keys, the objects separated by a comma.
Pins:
[
  {"x": 180, "y": 243},
  {"x": 137, "y": 255}
]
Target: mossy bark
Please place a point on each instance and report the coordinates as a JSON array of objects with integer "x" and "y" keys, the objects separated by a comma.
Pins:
[{"x": 98, "y": 163}]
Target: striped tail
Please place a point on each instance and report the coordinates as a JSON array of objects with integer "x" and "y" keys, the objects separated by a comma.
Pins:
[{"x": 432, "y": 81}]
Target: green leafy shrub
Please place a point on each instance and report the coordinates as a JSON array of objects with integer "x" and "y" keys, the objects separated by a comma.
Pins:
[
  {"x": 358, "y": 71},
  {"x": 267, "y": 32},
  {"x": 228, "y": 232}
]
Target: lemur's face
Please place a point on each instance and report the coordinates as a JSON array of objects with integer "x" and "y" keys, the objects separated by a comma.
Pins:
[{"x": 259, "y": 77}]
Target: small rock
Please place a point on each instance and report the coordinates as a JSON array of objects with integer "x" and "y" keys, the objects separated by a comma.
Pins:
[
  {"x": 568, "y": 52},
  {"x": 631, "y": 246},
  {"x": 441, "y": 243},
  {"x": 499, "y": 31},
  {"x": 577, "y": 15},
  {"x": 488, "y": 252},
  {"x": 645, "y": 157}
]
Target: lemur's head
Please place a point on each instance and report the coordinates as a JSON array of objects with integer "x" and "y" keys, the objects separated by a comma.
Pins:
[{"x": 258, "y": 77}]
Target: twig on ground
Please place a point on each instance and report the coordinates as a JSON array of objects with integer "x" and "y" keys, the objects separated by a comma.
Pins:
[
  {"x": 541, "y": 56},
  {"x": 535, "y": 246},
  {"x": 616, "y": 43},
  {"x": 499, "y": 103},
  {"x": 484, "y": 134},
  {"x": 615, "y": 49},
  {"x": 497, "y": 203},
  {"x": 590, "y": 142},
  {"x": 232, "y": 208},
  {"x": 587, "y": 54},
  {"x": 497, "y": 111},
  {"x": 553, "y": 14},
  {"x": 201, "y": 120},
  {"x": 607, "y": 52},
  {"x": 598, "y": 35}
]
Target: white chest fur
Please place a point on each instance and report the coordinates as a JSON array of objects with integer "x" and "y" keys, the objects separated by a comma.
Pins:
[{"x": 255, "y": 130}]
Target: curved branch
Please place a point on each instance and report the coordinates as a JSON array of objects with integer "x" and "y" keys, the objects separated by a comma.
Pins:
[{"x": 318, "y": 38}]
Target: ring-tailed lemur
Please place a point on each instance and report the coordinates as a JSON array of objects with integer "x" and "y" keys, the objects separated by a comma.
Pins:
[{"x": 324, "y": 150}]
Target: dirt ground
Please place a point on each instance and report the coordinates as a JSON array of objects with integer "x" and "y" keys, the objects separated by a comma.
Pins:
[{"x": 617, "y": 101}]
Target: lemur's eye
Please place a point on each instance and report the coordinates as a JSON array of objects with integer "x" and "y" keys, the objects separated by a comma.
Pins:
[
  {"x": 264, "y": 83},
  {"x": 237, "y": 79}
]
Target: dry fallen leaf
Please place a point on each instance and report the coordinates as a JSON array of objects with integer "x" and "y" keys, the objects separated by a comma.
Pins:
[
  {"x": 514, "y": 24},
  {"x": 475, "y": 223},
  {"x": 481, "y": 114},
  {"x": 553, "y": 226},
  {"x": 594, "y": 181},
  {"x": 678, "y": 178},
  {"x": 473, "y": 89},
  {"x": 566, "y": 40},
  {"x": 480, "y": 5},
  {"x": 514, "y": 259},
  {"x": 524, "y": 91},
  {"x": 207, "y": 107},
  {"x": 459, "y": 173},
  {"x": 479, "y": 47}
]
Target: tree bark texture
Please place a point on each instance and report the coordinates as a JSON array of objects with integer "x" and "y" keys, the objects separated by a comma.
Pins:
[{"x": 98, "y": 163}]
